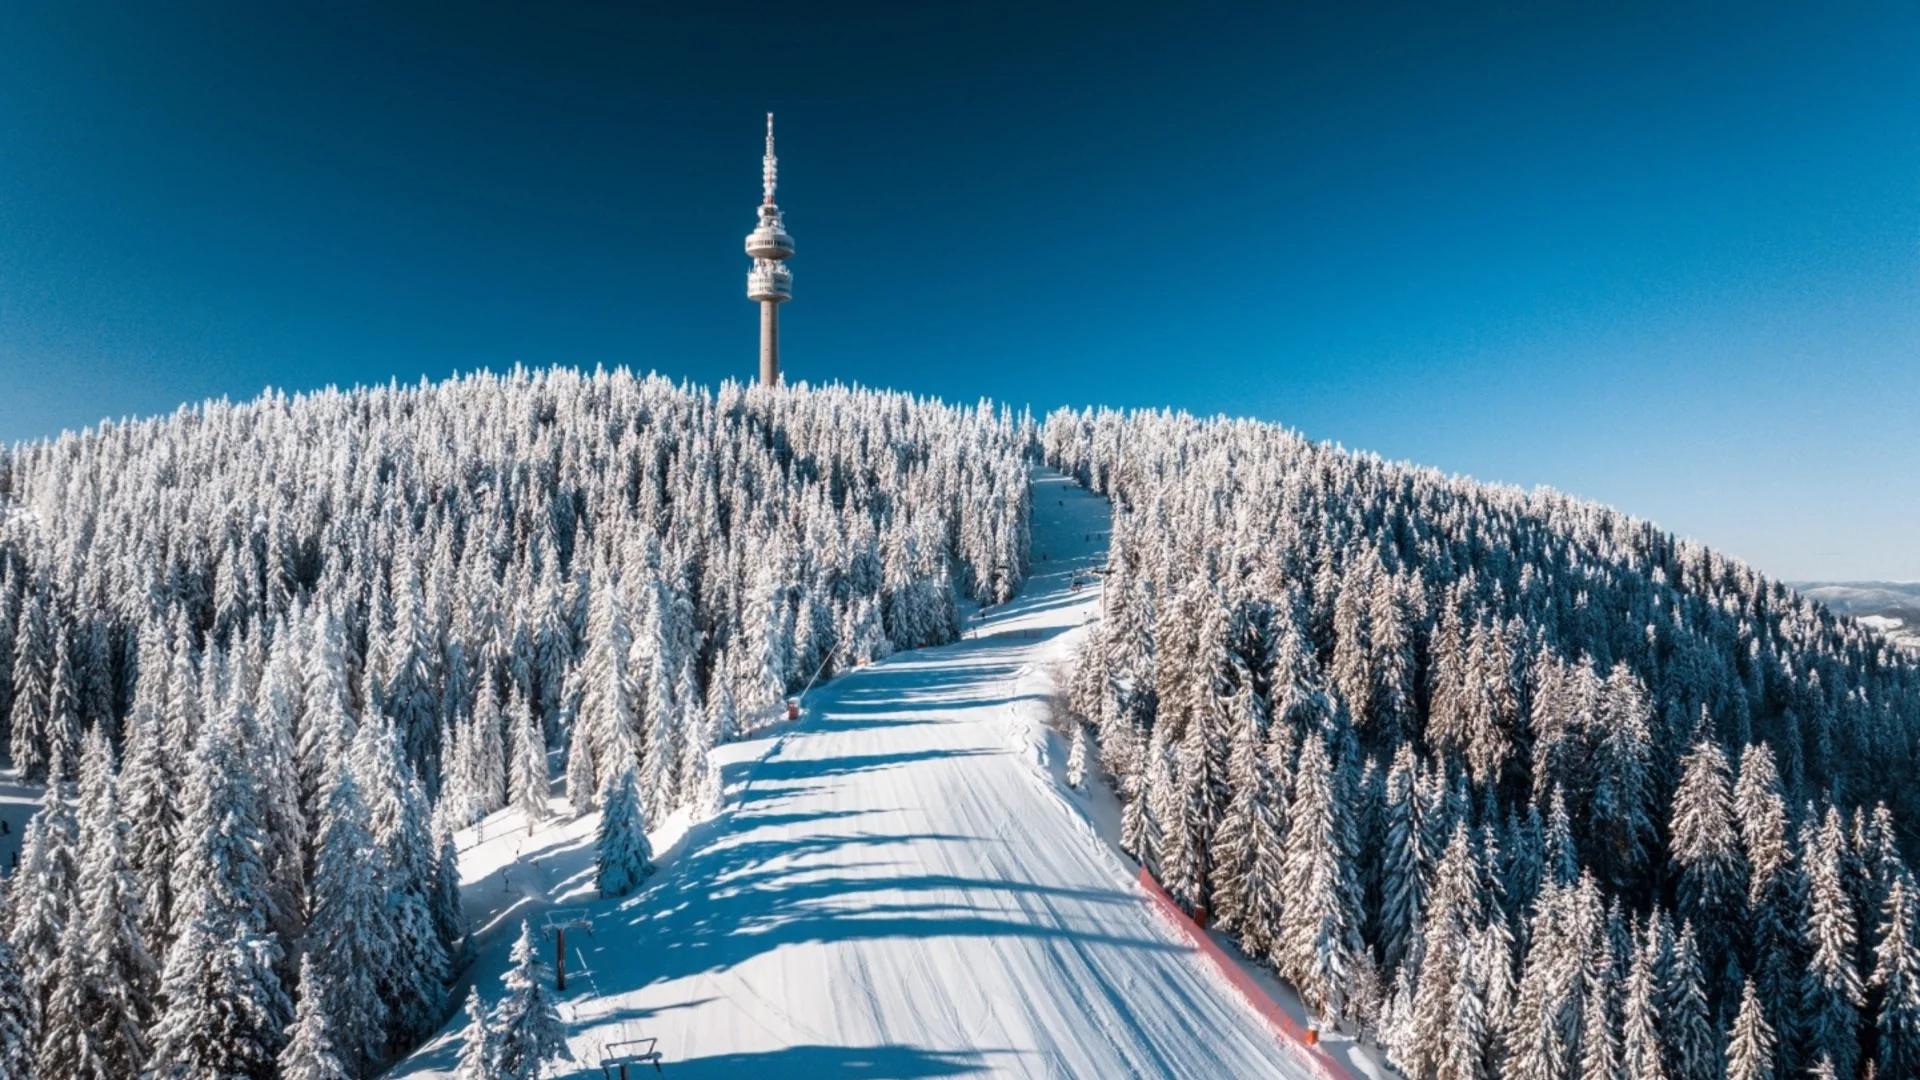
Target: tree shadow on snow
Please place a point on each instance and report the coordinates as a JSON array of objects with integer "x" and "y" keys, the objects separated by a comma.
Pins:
[
  {"x": 803, "y": 1062},
  {"x": 781, "y": 769}
]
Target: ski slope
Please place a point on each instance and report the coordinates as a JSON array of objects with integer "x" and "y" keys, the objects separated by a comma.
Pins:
[{"x": 897, "y": 886}]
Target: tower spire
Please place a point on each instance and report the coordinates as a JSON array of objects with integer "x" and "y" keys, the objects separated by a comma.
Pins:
[{"x": 769, "y": 165}]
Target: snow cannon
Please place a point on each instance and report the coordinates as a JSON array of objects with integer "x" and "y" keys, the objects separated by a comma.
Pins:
[{"x": 793, "y": 708}]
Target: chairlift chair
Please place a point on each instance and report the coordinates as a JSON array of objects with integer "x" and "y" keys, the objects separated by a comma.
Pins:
[{"x": 616, "y": 1058}]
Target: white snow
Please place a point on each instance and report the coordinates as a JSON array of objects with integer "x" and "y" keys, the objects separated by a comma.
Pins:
[{"x": 899, "y": 885}]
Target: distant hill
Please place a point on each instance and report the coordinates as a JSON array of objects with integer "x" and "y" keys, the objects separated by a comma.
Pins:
[{"x": 1891, "y": 607}]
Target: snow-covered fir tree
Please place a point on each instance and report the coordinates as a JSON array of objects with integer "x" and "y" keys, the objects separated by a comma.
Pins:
[
  {"x": 1833, "y": 994},
  {"x": 350, "y": 938},
  {"x": 479, "y": 1056},
  {"x": 528, "y": 1031},
  {"x": 1750, "y": 1042},
  {"x": 226, "y": 1010},
  {"x": 310, "y": 1052},
  {"x": 623, "y": 856},
  {"x": 529, "y": 783},
  {"x": 1896, "y": 983},
  {"x": 19, "y": 1020}
]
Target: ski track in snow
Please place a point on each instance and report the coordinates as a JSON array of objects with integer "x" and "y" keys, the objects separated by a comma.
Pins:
[{"x": 897, "y": 887}]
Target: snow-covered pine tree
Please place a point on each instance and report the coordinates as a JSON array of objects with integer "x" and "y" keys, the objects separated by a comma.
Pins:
[
  {"x": 1536, "y": 1032},
  {"x": 479, "y": 1057},
  {"x": 1750, "y": 1042},
  {"x": 1896, "y": 983},
  {"x": 1600, "y": 1054},
  {"x": 276, "y": 711},
  {"x": 1077, "y": 754},
  {"x": 1562, "y": 865},
  {"x": 45, "y": 890},
  {"x": 350, "y": 937},
  {"x": 151, "y": 789},
  {"x": 413, "y": 985},
  {"x": 1640, "y": 1014},
  {"x": 526, "y": 1023},
  {"x": 1712, "y": 872},
  {"x": 625, "y": 857},
  {"x": 1234, "y": 841},
  {"x": 66, "y": 1047},
  {"x": 1186, "y": 861},
  {"x": 660, "y": 750},
  {"x": 36, "y": 649},
  {"x": 487, "y": 752},
  {"x": 580, "y": 772},
  {"x": 409, "y": 693},
  {"x": 1447, "y": 945},
  {"x": 121, "y": 978},
  {"x": 329, "y": 725},
  {"x": 1319, "y": 935},
  {"x": 603, "y": 725},
  {"x": 226, "y": 1011},
  {"x": 19, "y": 1020},
  {"x": 1407, "y": 862},
  {"x": 1622, "y": 829},
  {"x": 1493, "y": 975},
  {"x": 443, "y": 898},
  {"x": 699, "y": 779},
  {"x": 1263, "y": 904},
  {"x": 1462, "y": 1047},
  {"x": 530, "y": 785},
  {"x": 1692, "y": 1047},
  {"x": 1775, "y": 898},
  {"x": 63, "y": 720},
  {"x": 1833, "y": 995},
  {"x": 310, "y": 1053}
]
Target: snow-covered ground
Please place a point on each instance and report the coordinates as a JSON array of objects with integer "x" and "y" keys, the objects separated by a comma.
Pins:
[{"x": 899, "y": 885}]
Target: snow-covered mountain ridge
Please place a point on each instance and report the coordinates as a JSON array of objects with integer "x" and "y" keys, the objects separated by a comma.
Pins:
[
  {"x": 297, "y": 667},
  {"x": 1891, "y": 607}
]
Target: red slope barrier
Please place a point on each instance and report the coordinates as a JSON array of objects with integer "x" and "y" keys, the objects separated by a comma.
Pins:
[{"x": 1284, "y": 1025}]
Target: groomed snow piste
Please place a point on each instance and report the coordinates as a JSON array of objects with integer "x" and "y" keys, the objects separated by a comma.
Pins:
[{"x": 897, "y": 886}]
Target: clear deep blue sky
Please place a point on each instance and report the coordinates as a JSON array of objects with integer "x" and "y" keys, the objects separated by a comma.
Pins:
[{"x": 1662, "y": 255}]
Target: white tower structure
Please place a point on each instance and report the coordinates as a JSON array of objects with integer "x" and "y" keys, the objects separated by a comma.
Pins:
[{"x": 769, "y": 283}]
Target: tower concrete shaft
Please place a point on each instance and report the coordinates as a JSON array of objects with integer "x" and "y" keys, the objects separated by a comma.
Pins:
[
  {"x": 769, "y": 343},
  {"x": 769, "y": 283}
]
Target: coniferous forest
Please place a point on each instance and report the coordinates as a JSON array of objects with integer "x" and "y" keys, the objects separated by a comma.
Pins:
[
  {"x": 1517, "y": 784},
  {"x": 267, "y": 657},
  {"x": 1514, "y": 784}
]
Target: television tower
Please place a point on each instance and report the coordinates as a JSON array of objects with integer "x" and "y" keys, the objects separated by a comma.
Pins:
[{"x": 769, "y": 283}]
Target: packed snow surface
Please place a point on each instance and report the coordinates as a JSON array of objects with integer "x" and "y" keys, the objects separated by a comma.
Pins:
[{"x": 896, "y": 887}]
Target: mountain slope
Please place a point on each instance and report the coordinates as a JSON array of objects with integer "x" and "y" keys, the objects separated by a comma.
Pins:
[
  {"x": 1891, "y": 607},
  {"x": 895, "y": 889}
]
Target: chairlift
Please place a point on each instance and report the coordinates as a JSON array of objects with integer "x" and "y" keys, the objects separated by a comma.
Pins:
[
  {"x": 554, "y": 928},
  {"x": 617, "y": 1057}
]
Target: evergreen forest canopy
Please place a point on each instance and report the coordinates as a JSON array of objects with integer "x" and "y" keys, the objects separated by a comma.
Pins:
[
  {"x": 249, "y": 645},
  {"x": 1521, "y": 785}
]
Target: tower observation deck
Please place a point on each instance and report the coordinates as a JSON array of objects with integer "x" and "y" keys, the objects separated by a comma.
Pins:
[{"x": 769, "y": 282}]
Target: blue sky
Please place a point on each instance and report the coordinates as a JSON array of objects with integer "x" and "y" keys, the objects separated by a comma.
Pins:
[{"x": 1666, "y": 256}]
